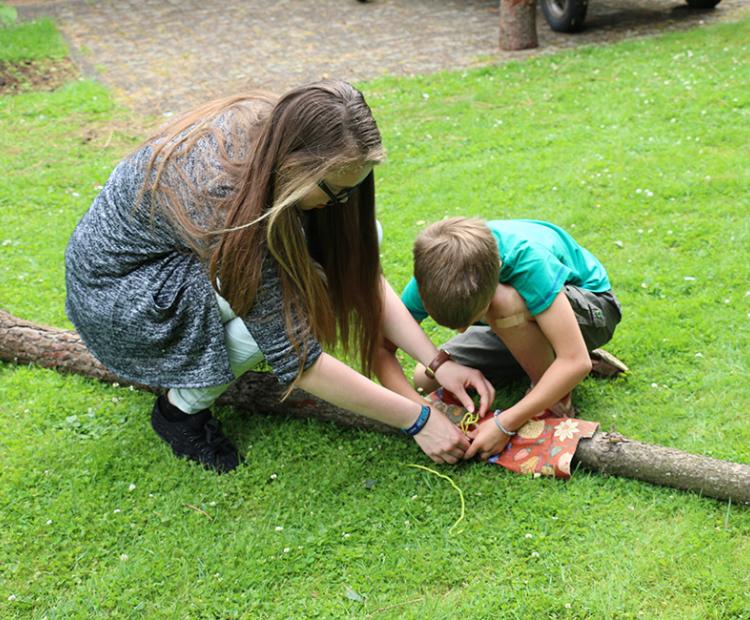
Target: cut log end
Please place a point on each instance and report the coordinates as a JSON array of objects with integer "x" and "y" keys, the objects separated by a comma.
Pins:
[{"x": 611, "y": 453}]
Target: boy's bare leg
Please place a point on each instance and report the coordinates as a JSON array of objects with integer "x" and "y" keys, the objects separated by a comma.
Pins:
[{"x": 510, "y": 320}]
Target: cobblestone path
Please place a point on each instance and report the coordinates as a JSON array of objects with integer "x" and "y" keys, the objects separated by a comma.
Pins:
[{"x": 162, "y": 56}]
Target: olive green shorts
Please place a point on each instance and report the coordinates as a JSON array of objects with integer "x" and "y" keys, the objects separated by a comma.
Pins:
[{"x": 479, "y": 347}]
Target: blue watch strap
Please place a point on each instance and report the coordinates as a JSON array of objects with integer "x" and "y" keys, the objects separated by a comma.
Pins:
[{"x": 424, "y": 415}]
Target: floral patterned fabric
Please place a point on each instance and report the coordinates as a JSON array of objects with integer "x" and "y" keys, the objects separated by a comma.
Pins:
[{"x": 544, "y": 446}]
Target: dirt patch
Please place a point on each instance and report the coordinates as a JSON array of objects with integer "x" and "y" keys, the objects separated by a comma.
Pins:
[{"x": 28, "y": 75}]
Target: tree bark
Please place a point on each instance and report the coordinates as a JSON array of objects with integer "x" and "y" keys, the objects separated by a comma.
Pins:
[
  {"x": 23, "y": 342},
  {"x": 518, "y": 25},
  {"x": 611, "y": 453}
]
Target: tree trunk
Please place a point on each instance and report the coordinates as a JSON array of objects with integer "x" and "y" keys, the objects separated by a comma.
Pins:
[
  {"x": 611, "y": 453},
  {"x": 518, "y": 25},
  {"x": 23, "y": 342}
]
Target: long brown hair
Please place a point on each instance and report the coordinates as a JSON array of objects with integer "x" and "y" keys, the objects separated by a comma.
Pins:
[{"x": 274, "y": 154}]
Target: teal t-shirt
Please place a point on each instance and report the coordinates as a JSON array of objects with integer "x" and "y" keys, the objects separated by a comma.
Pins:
[{"x": 538, "y": 259}]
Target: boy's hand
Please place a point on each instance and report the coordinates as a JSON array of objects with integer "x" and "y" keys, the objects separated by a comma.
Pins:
[
  {"x": 486, "y": 441},
  {"x": 456, "y": 378},
  {"x": 441, "y": 440}
]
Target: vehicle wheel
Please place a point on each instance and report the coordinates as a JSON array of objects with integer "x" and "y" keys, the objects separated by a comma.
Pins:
[
  {"x": 702, "y": 4},
  {"x": 567, "y": 15}
]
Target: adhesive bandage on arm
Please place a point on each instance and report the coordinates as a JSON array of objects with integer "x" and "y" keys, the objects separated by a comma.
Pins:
[{"x": 514, "y": 320}]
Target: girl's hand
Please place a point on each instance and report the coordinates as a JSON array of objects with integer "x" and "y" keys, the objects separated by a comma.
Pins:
[
  {"x": 457, "y": 378},
  {"x": 441, "y": 440},
  {"x": 487, "y": 440}
]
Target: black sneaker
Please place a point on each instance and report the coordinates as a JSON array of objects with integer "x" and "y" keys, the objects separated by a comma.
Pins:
[{"x": 195, "y": 436}]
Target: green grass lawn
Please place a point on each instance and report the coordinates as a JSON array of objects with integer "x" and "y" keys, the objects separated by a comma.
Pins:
[
  {"x": 30, "y": 40},
  {"x": 639, "y": 149}
]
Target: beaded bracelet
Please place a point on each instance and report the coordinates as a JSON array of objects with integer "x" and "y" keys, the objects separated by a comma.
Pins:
[
  {"x": 424, "y": 415},
  {"x": 496, "y": 417}
]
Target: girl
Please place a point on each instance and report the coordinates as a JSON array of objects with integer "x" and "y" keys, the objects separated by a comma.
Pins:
[{"x": 245, "y": 231}]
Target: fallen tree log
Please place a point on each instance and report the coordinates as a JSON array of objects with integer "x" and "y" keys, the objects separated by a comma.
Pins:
[{"x": 23, "y": 342}]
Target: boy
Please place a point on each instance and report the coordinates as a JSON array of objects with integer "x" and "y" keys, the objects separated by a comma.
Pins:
[{"x": 545, "y": 302}]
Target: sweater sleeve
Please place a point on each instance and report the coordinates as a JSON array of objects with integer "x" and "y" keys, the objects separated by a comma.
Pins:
[{"x": 266, "y": 324}]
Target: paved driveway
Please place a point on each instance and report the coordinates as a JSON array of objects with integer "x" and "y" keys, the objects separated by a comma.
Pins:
[{"x": 165, "y": 56}]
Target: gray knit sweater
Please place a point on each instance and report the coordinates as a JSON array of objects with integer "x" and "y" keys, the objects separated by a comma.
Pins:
[{"x": 142, "y": 301}]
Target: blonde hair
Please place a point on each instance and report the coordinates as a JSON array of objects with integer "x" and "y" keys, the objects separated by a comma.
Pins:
[
  {"x": 272, "y": 152},
  {"x": 456, "y": 266}
]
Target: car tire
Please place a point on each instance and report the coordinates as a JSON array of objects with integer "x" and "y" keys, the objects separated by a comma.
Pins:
[
  {"x": 702, "y": 4},
  {"x": 566, "y": 15}
]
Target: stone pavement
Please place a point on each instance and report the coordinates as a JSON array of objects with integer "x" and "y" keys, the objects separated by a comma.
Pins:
[{"x": 164, "y": 56}]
